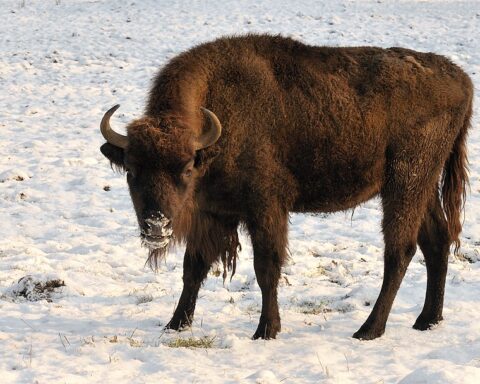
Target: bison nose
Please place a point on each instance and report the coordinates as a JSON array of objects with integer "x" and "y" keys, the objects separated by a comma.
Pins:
[
  {"x": 155, "y": 219},
  {"x": 157, "y": 226}
]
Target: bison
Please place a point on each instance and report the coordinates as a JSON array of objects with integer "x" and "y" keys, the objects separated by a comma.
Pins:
[{"x": 244, "y": 130}]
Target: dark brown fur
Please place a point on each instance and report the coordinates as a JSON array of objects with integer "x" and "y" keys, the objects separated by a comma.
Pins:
[{"x": 305, "y": 129}]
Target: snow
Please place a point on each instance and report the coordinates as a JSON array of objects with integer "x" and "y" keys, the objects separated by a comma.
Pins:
[{"x": 67, "y": 217}]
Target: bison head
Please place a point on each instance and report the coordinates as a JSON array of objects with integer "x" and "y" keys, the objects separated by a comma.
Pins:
[{"x": 163, "y": 161}]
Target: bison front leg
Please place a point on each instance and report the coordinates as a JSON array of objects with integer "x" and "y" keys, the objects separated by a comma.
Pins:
[
  {"x": 269, "y": 249},
  {"x": 195, "y": 270}
]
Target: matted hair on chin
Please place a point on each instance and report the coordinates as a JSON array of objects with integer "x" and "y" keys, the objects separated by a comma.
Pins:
[
  {"x": 155, "y": 256},
  {"x": 158, "y": 255}
]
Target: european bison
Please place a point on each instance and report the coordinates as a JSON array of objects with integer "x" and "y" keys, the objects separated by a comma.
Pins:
[{"x": 244, "y": 130}]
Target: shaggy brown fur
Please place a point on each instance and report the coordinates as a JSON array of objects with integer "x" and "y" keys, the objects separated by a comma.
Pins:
[{"x": 305, "y": 129}]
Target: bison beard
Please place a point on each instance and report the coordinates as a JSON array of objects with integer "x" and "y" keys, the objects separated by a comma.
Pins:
[
  {"x": 157, "y": 245},
  {"x": 173, "y": 232},
  {"x": 218, "y": 239}
]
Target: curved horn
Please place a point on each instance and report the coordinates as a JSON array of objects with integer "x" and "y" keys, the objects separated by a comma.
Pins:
[
  {"x": 109, "y": 134},
  {"x": 213, "y": 133}
]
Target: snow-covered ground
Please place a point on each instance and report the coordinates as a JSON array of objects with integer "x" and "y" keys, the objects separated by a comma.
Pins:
[{"x": 66, "y": 218}]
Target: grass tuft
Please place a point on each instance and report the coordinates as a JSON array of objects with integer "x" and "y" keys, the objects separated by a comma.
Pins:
[
  {"x": 192, "y": 342},
  {"x": 312, "y": 308}
]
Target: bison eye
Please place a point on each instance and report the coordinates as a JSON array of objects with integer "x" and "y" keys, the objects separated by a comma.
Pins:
[
  {"x": 188, "y": 169},
  {"x": 130, "y": 174}
]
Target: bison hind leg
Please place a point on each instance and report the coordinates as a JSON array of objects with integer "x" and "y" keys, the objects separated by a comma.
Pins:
[
  {"x": 404, "y": 198},
  {"x": 434, "y": 242}
]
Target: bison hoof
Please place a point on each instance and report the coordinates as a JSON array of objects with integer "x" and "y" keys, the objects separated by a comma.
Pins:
[
  {"x": 422, "y": 324},
  {"x": 178, "y": 324},
  {"x": 267, "y": 330},
  {"x": 368, "y": 333}
]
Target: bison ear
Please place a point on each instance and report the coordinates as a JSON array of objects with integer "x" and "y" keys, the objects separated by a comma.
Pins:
[
  {"x": 115, "y": 155},
  {"x": 203, "y": 159}
]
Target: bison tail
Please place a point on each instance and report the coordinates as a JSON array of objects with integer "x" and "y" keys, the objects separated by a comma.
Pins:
[{"x": 455, "y": 181}]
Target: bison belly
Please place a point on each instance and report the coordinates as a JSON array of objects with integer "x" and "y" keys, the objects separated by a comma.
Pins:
[{"x": 337, "y": 177}]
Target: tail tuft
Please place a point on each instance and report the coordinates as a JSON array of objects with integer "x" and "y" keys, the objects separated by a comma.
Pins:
[{"x": 455, "y": 181}]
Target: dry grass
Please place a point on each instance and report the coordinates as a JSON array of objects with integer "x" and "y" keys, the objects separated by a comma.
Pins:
[
  {"x": 192, "y": 342},
  {"x": 312, "y": 308}
]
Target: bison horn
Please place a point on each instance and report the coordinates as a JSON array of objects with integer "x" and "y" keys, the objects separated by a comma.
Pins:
[
  {"x": 213, "y": 133},
  {"x": 109, "y": 134}
]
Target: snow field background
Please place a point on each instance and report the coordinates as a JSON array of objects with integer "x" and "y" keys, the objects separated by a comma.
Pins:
[{"x": 67, "y": 217}]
